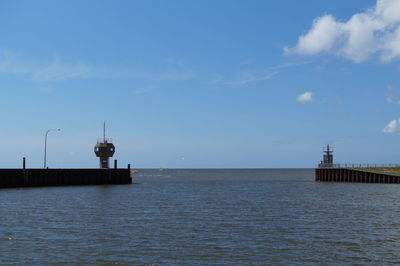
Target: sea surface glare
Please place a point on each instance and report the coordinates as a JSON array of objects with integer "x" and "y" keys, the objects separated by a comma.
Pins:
[{"x": 203, "y": 217}]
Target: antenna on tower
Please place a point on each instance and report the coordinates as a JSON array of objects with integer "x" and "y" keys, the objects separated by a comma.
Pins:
[
  {"x": 104, "y": 131},
  {"x": 328, "y": 150}
]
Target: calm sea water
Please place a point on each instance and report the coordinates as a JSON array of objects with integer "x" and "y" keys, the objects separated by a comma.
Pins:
[{"x": 203, "y": 217}]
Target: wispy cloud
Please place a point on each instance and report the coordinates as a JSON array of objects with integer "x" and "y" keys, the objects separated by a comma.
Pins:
[
  {"x": 392, "y": 95},
  {"x": 46, "y": 89},
  {"x": 54, "y": 71},
  {"x": 373, "y": 32},
  {"x": 290, "y": 64},
  {"x": 389, "y": 100},
  {"x": 175, "y": 71},
  {"x": 59, "y": 70},
  {"x": 247, "y": 61},
  {"x": 9, "y": 64},
  {"x": 247, "y": 76},
  {"x": 305, "y": 97},
  {"x": 140, "y": 91}
]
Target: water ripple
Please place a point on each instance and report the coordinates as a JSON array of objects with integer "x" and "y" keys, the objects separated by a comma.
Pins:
[{"x": 203, "y": 217}]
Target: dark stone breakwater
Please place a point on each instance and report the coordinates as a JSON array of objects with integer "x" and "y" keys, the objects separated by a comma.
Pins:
[
  {"x": 63, "y": 177},
  {"x": 354, "y": 176}
]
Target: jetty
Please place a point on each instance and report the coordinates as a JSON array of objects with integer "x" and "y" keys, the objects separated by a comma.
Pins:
[
  {"x": 327, "y": 171},
  {"x": 354, "y": 176},
  {"x": 63, "y": 177},
  {"x": 39, "y": 177}
]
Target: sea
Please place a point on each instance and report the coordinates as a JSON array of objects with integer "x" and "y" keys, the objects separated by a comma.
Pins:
[{"x": 203, "y": 217}]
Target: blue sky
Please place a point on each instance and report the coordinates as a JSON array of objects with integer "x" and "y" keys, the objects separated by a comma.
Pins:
[{"x": 200, "y": 83}]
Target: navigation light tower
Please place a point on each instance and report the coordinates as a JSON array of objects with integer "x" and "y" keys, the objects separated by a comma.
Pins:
[
  {"x": 328, "y": 157},
  {"x": 104, "y": 149}
]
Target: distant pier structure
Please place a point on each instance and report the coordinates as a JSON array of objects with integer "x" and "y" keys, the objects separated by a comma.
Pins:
[
  {"x": 29, "y": 177},
  {"x": 327, "y": 161},
  {"x": 104, "y": 149},
  {"x": 327, "y": 171}
]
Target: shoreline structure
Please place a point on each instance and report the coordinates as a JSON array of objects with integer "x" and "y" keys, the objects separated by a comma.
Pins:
[
  {"x": 63, "y": 177},
  {"x": 327, "y": 171},
  {"x": 39, "y": 177}
]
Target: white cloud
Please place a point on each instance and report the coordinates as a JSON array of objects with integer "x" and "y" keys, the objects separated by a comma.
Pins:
[
  {"x": 305, "y": 97},
  {"x": 320, "y": 38},
  {"x": 392, "y": 126},
  {"x": 375, "y": 32}
]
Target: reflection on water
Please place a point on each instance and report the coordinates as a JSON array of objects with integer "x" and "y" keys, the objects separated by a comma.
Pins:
[{"x": 190, "y": 217}]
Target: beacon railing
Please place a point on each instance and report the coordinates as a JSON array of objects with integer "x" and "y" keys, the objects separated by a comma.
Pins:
[
  {"x": 329, "y": 165},
  {"x": 104, "y": 140},
  {"x": 361, "y": 165}
]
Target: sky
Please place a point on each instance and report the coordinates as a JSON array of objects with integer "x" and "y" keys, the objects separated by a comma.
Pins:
[{"x": 200, "y": 84}]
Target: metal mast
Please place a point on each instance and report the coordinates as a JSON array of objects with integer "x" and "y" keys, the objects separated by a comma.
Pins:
[{"x": 104, "y": 131}]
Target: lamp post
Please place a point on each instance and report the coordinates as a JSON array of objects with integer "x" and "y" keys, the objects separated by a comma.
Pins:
[{"x": 45, "y": 143}]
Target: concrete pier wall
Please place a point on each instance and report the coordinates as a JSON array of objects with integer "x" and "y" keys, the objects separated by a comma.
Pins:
[
  {"x": 62, "y": 177},
  {"x": 354, "y": 176}
]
